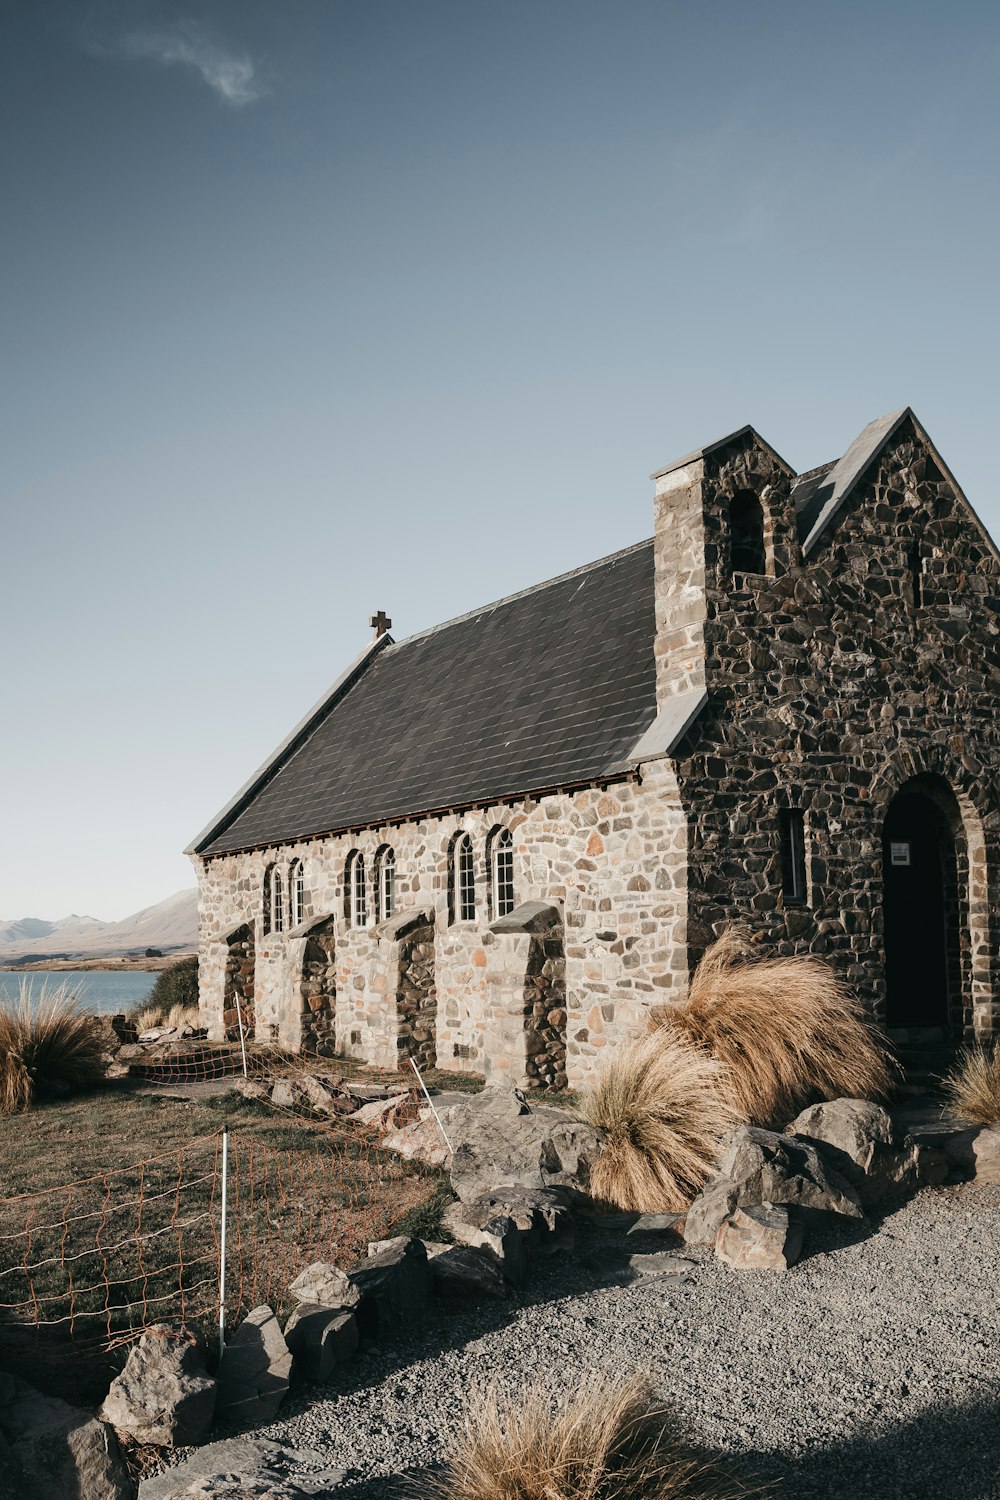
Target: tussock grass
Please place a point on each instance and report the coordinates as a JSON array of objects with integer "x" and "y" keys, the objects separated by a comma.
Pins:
[
  {"x": 48, "y": 1047},
  {"x": 662, "y": 1104},
  {"x": 972, "y": 1088},
  {"x": 786, "y": 1030},
  {"x": 606, "y": 1441},
  {"x": 147, "y": 1018}
]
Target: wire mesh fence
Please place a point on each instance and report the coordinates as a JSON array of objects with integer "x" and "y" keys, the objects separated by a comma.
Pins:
[{"x": 94, "y": 1262}]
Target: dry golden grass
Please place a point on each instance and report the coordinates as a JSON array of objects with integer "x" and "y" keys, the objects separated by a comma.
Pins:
[
  {"x": 607, "y": 1441},
  {"x": 182, "y": 1015},
  {"x": 786, "y": 1030},
  {"x": 972, "y": 1088},
  {"x": 660, "y": 1101},
  {"x": 48, "y": 1047},
  {"x": 147, "y": 1018}
]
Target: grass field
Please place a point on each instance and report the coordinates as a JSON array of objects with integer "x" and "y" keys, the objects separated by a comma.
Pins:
[{"x": 110, "y": 1209}]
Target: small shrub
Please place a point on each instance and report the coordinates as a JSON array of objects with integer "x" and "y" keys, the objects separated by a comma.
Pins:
[
  {"x": 177, "y": 985},
  {"x": 423, "y": 1222},
  {"x": 606, "y": 1441},
  {"x": 972, "y": 1088},
  {"x": 661, "y": 1103},
  {"x": 48, "y": 1048},
  {"x": 786, "y": 1030}
]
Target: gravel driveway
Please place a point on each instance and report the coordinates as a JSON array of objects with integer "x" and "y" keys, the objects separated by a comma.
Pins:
[{"x": 870, "y": 1370}]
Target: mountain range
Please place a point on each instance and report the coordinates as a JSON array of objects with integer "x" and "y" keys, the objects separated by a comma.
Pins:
[{"x": 171, "y": 926}]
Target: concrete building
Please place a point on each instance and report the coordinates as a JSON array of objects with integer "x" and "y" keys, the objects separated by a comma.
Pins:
[{"x": 494, "y": 844}]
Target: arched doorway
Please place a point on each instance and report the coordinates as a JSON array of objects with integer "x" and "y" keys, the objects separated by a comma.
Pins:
[
  {"x": 238, "y": 997},
  {"x": 922, "y": 907}
]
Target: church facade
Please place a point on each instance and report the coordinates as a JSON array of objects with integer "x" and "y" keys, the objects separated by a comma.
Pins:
[{"x": 494, "y": 845}]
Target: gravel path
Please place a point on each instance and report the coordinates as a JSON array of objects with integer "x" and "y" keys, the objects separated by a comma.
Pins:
[{"x": 871, "y": 1370}]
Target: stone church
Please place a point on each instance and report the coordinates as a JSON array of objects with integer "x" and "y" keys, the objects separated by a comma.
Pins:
[{"x": 492, "y": 845}]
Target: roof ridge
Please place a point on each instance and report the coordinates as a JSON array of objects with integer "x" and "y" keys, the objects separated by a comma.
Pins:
[
  {"x": 819, "y": 469},
  {"x": 534, "y": 588}
]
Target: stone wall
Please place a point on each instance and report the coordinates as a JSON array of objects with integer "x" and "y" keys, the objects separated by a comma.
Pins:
[
  {"x": 832, "y": 683},
  {"x": 319, "y": 991},
  {"x": 416, "y": 998},
  {"x": 612, "y": 858},
  {"x": 545, "y": 1012},
  {"x": 239, "y": 981}
]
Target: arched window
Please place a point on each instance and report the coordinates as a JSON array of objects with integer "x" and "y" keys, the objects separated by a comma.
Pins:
[
  {"x": 463, "y": 880},
  {"x": 746, "y": 527},
  {"x": 267, "y": 897},
  {"x": 501, "y": 858},
  {"x": 357, "y": 893},
  {"x": 385, "y": 883},
  {"x": 277, "y": 901},
  {"x": 297, "y": 892}
]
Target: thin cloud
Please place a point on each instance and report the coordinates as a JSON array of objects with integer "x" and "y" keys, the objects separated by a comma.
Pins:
[{"x": 230, "y": 75}]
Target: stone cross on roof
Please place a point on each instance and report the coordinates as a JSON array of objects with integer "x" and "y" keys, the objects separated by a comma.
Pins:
[{"x": 380, "y": 623}]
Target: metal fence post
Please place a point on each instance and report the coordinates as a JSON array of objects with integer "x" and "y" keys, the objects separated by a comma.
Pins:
[
  {"x": 222, "y": 1242},
  {"x": 430, "y": 1101},
  {"x": 239, "y": 1022}
]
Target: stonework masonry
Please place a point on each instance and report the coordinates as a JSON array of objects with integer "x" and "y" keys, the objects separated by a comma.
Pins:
[
  {"x": 611, "y": 860},
  {"x": 856, "y": 674}
]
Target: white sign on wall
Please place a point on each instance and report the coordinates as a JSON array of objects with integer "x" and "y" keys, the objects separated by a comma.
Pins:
[{"x": 899, "y": 854}]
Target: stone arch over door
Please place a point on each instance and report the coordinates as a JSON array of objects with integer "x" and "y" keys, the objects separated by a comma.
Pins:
[
  {"x": 545, "y": 1010},
  {"x": 937, "y": 802},
  {"x": 416, "y": 997},
  {"x": 238, "y": 994},
  {"x": 318, "y": 990}
]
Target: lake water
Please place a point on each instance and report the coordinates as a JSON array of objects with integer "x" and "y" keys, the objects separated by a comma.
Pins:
[{"x": 101, "y": 991}]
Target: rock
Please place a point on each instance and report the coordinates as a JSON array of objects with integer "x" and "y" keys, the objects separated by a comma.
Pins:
[
  {"x": 325, "y": 1284},
  {"x": 656, "y": 1224},
  {"x": 763, "y": 1237},
  {"x": 955, "y": 1139},
  {"x": 467, "y": 1273},
  {"x": 283, "y": 1094},
  {"x": 857, "y": 1139},
  {"x": 395, "y": 1290},
  {"x": 770, "y": 1168},
  {"x": 163, "y": 1396},
  {"x": 713, "y": 1204},
  {"x": 321, "y": 1338},
  {"x": 375, "y": 1247},
  {"x": 499, "y": 1138},
  {"x": 261, "y": 1467},
  {"x": 421, "y": 1140},
  {"x": 252, "y": 1088},
  {"x": 986, "y": 1153},
  {"x": 500, "y": 1235},
  {"x": 62, "y": 1450},
  {"x": 317, "y": 1095},
  {"x": 381, "y": 1113},
  {"x": 254, "y": 1371},
  {"x": 660, "y": 1263},
  {"x": 541, "y": 1214}
]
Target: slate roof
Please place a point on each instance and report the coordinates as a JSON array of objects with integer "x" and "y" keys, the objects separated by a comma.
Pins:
[{"x": 547, "y": 688}]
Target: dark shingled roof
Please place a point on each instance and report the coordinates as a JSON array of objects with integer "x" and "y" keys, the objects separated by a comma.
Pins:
[{"x": 547, "y": 688}]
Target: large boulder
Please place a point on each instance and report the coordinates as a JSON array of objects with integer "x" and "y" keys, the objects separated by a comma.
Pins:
[
  {"x": 769, "y": 1168},
  {"x": 543, "y": 1215},
  {"x": 499, "y": 1138},
  {"x": 325, "y": 1284},
  {"x": 61, "y": 1450},
  {"x": 395, "y": 1289},
  {"x": 254, "y": 1371},
  {"x": 163, "y": 1396},
  {"x": 761, "y": 1238},
  {"x": 243, "y": 1468},
  {"x": 499, "y": 1235},
  {"x": 712, "y": 1206},
  {"x": 320, "y": 1338},
  {"x": 857, "y": 1139},
  {"x": 986, "y": 1152},
  {"x": 467, "y": 1273}
]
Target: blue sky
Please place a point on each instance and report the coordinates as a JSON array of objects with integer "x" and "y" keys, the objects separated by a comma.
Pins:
[{"x": 315, "y": 308}]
